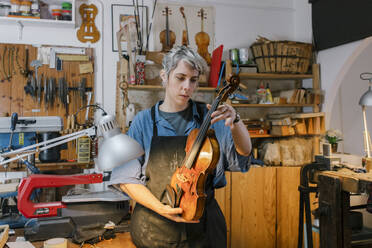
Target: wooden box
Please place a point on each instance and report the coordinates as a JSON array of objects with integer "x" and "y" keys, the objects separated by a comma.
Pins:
[{"x": 282, "y": 130}]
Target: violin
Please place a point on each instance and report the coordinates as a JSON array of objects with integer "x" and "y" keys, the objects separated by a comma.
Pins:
[
  {"x": 202, "y": 39},
  {"x": 185, "y": 35},
  {"x": 186, "y": 189},
  {"x": 167, "y": 36}
]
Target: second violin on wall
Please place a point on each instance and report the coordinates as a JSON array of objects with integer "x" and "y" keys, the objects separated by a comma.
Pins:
[{"x": 176, "y": 24}]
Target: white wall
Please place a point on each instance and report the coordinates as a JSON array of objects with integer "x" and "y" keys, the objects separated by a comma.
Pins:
[{"x": 238, "y": 23}]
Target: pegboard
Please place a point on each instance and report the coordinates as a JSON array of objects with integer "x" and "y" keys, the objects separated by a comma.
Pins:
[{"x": 13, "y": 85}]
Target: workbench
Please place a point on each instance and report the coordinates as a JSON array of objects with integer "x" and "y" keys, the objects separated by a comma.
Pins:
[
  {"x": 335, "y": 188},
  {"x": 121, "y": 240}
]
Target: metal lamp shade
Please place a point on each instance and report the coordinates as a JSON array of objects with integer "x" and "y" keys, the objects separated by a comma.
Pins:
[
  {"x": 116, "y": 148},
  {"x": 366, "y": 99}
]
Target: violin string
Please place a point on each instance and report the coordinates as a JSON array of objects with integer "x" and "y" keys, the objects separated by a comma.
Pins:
[{"x": 201, "y": 135}]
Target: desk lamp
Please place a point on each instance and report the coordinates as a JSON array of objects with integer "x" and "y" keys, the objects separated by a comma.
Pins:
[
  {"x": 366, "y": 101},
  {"x": 116, "y": 148}
]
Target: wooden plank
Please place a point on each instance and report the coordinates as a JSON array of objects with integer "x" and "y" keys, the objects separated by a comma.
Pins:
[
  {"x": 253, "y": 215},
  {"x": 288, "y": 198},
  {"x": 351, "y": 181},
  {"x": 316, "y": 82},
  {"x": 271, "y": 105},
  {"x": 296, "y": 115},
  {"x": 159, "y": 87},
  {"x": 330, "y": 201},
  {"x": 274, "y": 76},
  {"x": 223, "y": 197},
  {"x": 4, "y": 234}
]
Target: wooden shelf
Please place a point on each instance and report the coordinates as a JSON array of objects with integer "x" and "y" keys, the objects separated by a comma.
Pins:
[
  {"x": 246, "y": 105},
  {"x": 275, "y": 76},
  {"x": 50, "y": 166},
  {"x": 256, "y": 136},
  {"x": 42, "y": 22},
  {"x": 159, "y": 87}
]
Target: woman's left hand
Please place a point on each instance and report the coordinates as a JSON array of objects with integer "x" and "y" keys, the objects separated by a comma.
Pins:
[{"x": 223, "y": 112}]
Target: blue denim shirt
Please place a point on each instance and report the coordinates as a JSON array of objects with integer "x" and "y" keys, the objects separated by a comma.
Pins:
[{"x": 141, "y": 130}]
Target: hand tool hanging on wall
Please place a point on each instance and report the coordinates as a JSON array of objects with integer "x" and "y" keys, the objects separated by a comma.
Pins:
[
  {"x": 11, "y": 70},
  {"x": 46, "y": 90},
  {"x": 51, "y": 91},
  {"x": 63, "y": 93},
  {"x": 38, "y": 86},
  {"x": 30, "y": 87},
  {"x": 36, "y": 64},
  {"x": 2, "y": 70},
  {"x": 23, "y": 71},
  {"x": 3, "y": 64}
]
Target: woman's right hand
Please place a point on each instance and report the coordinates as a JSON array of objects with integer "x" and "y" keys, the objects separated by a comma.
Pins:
[
  {"x": 142, "y": 195},
  {"x": 173, "y": 214}
]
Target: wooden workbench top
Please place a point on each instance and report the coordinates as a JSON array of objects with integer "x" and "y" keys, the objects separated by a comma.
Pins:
[
  {"x": 121, "y": 240},
  {"x": 351, "y": 181}
]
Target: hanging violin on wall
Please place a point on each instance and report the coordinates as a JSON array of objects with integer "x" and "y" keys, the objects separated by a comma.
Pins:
[
  {"x": 185, "y": 32},
  {"x": 186, "y": 189},
  {"x": 167, "y": 36},
  {"x": 202, "y": 39}
]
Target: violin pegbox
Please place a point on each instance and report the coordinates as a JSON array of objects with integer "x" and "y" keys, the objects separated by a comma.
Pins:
[
  {"x": 233, "y": 82},
  {"x": 167, "y": 11},
  {"x": 202, "y": 14}
]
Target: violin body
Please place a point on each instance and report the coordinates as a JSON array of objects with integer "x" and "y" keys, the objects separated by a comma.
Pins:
[
  {"x": 167, "y": 36},
  {"x": 192, "y": 181},
  {"x": 167, "y": 46},
  {"x": 187, "y": 185},
  {"x": 202, "y": 41}
]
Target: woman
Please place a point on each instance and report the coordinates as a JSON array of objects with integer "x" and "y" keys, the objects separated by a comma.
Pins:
[{"x": 162, "y": 131}]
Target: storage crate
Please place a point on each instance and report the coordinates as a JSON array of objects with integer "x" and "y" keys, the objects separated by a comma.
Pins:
[{"x": 282, "y": 56}]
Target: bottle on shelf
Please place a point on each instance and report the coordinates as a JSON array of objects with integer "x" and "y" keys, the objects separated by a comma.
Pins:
[
  {"x": 35, "y": 10},
  {"x": 261, "y": 94},
  {"x": 269, "y": 97},
  {"x": 25, "y": 8}
]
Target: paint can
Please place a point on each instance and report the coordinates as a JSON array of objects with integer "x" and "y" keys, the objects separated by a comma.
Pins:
[{"x": 234, "y": 55}]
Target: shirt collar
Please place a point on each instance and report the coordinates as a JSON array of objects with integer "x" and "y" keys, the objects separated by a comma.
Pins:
[{"x": 161, "y": 121}]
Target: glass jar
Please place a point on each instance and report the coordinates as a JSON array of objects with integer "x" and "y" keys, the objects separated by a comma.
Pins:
[
  {"x": 4, "y": 9},
  {"x": 57, "y": 16},
  {"x": 66, "y": 15},
  {"x": 66, "y": 5},
  {"x": 35, "y": 10},
  {"x": 25, "y": 8},
  {"x": 14, "y": 7}
]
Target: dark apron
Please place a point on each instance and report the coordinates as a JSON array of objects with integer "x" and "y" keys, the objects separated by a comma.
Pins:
[{"x": 149, "y": 229}]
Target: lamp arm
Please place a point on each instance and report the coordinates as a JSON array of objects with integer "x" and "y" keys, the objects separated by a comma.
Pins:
[
  {"x": 48, "y": 144},
  {"x": 366, "y": 136}
]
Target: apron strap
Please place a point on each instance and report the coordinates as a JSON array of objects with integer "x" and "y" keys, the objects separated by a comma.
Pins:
[
  {"x": 155, "y": 130},
  {"x": 199, "y": 108}
]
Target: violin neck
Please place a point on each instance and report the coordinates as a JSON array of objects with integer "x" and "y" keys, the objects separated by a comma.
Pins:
[
  {"x": 167, "y": 30},
  {"x": 191, "y": 155},
  {"x": 187, "y": 32}
]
